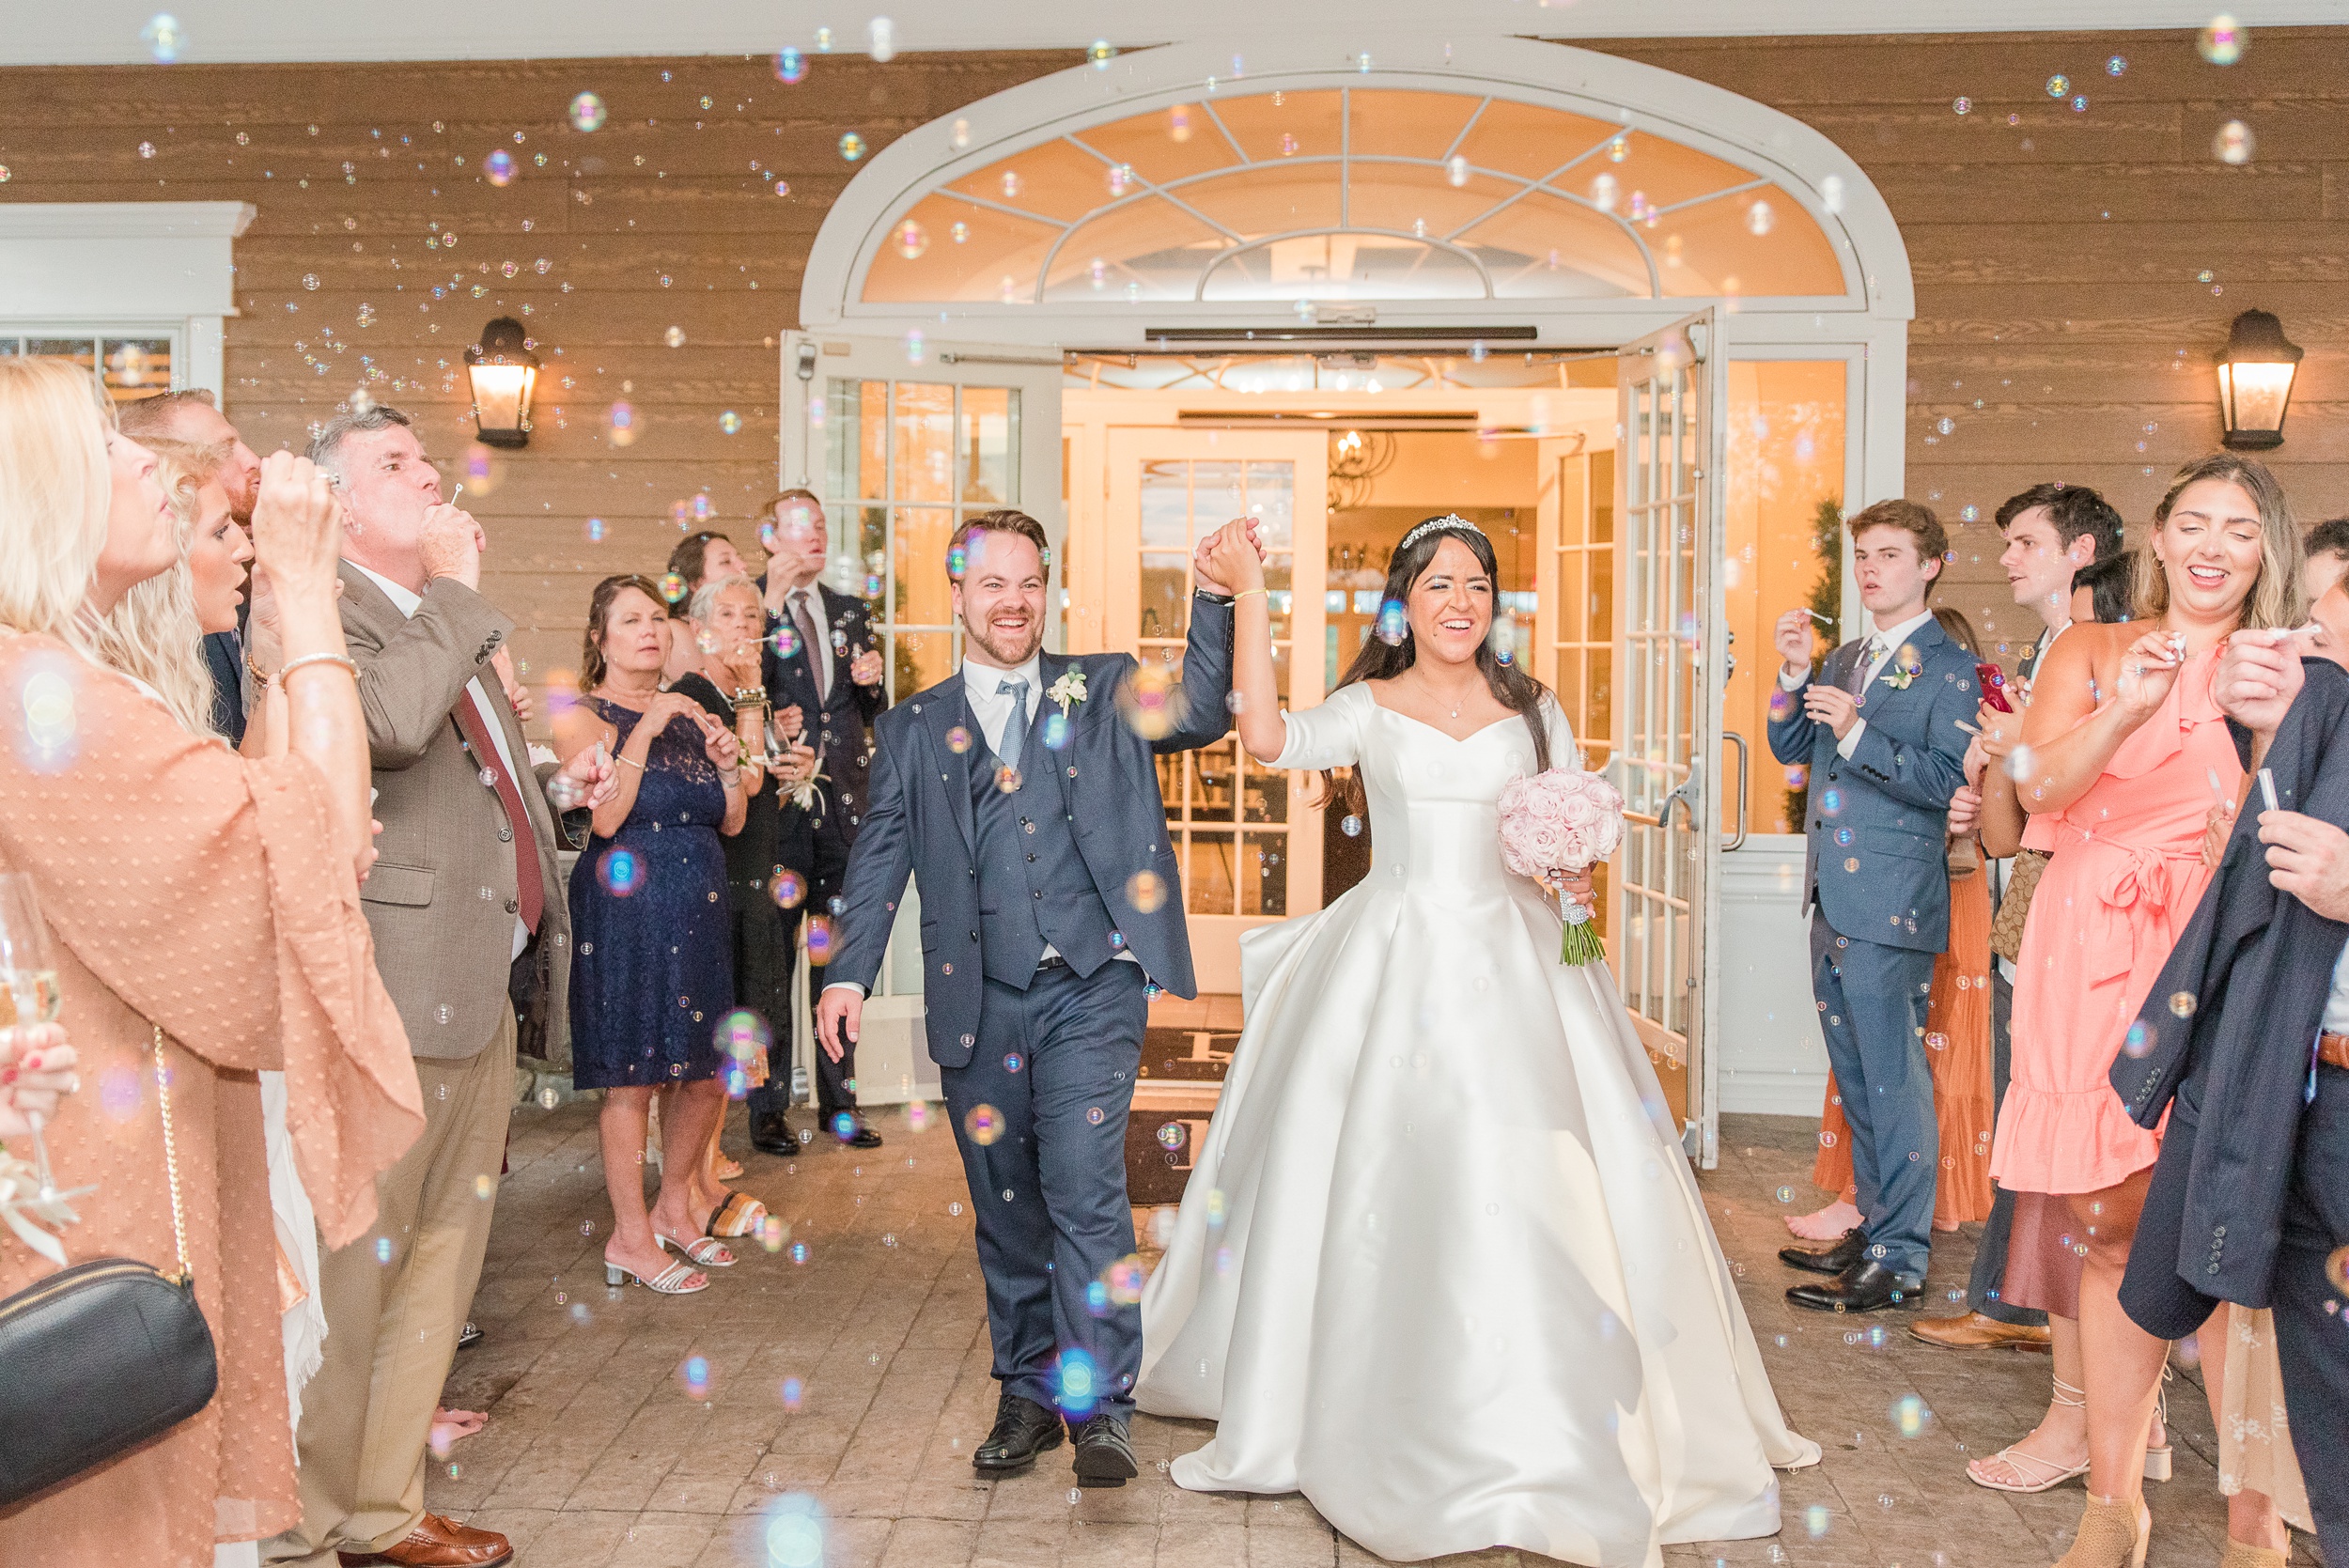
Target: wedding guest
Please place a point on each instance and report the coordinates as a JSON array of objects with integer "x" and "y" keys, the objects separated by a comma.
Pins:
[
  {"x": 187, "y": 955},
  {"x": 2224, "y": 1050},
  {"x": 192, "y": 419},
  {"x": 654, "y": 977},
  {"x": 2104, "y": 591},
  {"x": 768, "y": 863},
  {"x": 1957, "y": 1031},
  {"x": 1878, "y": 728},
  {"x": 703, "y": 558},
  {"x": 2053, "y": 534},
  {"x": 2327, "y": 550},
  {"x": 464, "y": 928},
  {"x": 2126, "y": 739},
  {"x": 821, "y": 660}
]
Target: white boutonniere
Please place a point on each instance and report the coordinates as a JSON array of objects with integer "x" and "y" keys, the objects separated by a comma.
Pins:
[
  {"x": 1069, "y": 691},
  {"x": 1905, "y": 668}
]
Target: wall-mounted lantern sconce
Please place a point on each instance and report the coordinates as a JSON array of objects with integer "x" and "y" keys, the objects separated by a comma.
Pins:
[
  {"x": 2255, "y": 381},
  {"x": 503, "y": 373}
]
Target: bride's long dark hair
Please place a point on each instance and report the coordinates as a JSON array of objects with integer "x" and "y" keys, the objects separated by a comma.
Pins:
[{"x": 1384, "y": 660}]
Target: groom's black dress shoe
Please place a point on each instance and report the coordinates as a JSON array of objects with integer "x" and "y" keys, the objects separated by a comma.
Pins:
[
  {"x": 1024, "y": 1429},
  {"x": 1105, "y": 1456},
  {"x": 1867, "y": 1286},
  {"x": 1830, "y": 1260}
]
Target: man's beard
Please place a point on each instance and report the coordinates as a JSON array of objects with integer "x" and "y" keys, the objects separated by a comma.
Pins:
[{"x": 1001, "y": 651}]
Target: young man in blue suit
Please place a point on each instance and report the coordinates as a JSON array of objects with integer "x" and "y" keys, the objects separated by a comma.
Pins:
[
  {"x": 1879, "y": 729},
  {"x": 1021, "y": 794}
]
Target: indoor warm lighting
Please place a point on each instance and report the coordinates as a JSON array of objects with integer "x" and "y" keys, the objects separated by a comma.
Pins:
[
  {"x": 503, "y": 372},
  {"x": 2255, "y": 381}
]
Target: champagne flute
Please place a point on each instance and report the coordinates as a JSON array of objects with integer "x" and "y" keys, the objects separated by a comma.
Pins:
[{"x": 28, "y": 983}]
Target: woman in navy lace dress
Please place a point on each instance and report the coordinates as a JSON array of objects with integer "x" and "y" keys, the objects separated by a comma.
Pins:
[{"x": 651, "y": 971}]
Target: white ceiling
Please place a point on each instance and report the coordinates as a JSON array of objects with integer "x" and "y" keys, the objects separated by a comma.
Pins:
[{"x": 101, "y": 32}]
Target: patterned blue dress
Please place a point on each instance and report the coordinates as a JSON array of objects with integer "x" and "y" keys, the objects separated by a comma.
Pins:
[{"x": 653, "y": 965}]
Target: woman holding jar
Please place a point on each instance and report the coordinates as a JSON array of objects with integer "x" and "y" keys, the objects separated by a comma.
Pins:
[{"x": 652, "y": 975}]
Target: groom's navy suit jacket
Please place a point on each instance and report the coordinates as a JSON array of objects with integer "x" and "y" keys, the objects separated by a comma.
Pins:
[
  {"x": 1878, "y": 858},
  {"x": 920, "y": 823}
]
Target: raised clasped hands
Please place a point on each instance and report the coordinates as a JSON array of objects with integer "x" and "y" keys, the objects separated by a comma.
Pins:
[
  {"x": 36, "y": 1071},
  {"x": 451, "y": 544},
  {"x": 1214, "y": 560},
  {"x": 297, "y": 535}
]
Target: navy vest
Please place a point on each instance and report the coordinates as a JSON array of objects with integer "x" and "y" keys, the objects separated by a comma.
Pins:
[{"x": 1033, "y": 886}]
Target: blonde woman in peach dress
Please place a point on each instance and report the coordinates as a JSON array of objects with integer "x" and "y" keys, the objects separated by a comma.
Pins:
[
  {"x": 2124, "y": 755},
  {"x": 203, "y": 910}
]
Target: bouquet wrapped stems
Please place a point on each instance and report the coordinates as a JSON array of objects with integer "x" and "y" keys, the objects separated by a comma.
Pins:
[{"x": 1580, "y": 943}]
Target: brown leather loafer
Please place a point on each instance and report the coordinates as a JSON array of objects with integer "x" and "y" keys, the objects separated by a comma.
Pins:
[
  {"x": 438, "y": 1542},
  {"x": 1976, "y": 1333}
]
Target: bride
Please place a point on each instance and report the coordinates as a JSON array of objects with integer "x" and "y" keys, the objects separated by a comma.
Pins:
[{"x": 1442, "y": 1265}]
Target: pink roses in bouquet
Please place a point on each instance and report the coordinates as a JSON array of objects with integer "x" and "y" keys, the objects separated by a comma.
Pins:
[{"x": 1557, "y": 823}]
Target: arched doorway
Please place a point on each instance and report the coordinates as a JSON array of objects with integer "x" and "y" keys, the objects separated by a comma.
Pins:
[{"x": 1129, "y": 299}]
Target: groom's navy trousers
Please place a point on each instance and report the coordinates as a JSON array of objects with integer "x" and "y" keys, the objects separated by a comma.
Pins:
[{"x": 1056, "y": 1062}]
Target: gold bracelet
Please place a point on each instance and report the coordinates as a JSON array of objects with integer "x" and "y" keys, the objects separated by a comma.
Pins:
[
  {"x": 1245, "y": 591},
  {"x": 293, "y": 665}
]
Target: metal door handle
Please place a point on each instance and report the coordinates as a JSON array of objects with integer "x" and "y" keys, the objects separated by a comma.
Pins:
[
  {"x": 1737, "y": 840},
  {"x": 1685, "y": 794}
]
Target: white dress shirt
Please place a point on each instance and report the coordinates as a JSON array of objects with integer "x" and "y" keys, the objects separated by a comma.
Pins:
[
  {"x": 406, "y": 603},
  {"x": 1889, "y": 641},
  {"x": 2337, "y": 1005},
  {"x": 991, "y": 706}
]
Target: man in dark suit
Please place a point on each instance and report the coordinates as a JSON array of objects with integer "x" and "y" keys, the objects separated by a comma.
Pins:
[
  {"x": 820, "y": 659},
  {"x": 1021, "y": 794},
  {"x": 189, "y": 417},
  {"x": 2053, "y": 532},
  {"x": 1879, "y": 732}
]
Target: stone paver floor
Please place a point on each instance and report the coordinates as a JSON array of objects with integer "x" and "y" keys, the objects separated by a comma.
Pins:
[{"x": 856, "y": 1375}]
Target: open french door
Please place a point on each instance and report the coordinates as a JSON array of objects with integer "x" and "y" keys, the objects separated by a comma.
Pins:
[
  {"x": 1670, "y": 671},
  {"x": 903, "y": 440}
]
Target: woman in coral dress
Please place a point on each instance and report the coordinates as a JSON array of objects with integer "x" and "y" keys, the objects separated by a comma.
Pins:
[{"x": 2127, "y": 756}]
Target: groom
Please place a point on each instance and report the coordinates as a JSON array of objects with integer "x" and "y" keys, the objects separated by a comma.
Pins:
[
  {"x": 1021, "y": 794},
  {"x": 1879, "y": 730}
]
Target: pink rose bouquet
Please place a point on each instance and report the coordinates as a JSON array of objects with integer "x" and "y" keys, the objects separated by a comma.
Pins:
[{"x": 1559, "y": 823}]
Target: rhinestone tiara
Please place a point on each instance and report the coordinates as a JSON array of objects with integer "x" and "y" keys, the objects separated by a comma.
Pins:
[{"x": 1451, "y": 522}]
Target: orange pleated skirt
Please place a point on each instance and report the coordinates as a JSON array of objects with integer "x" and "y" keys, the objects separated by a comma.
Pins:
[{"x": 1957, "y": 1053}]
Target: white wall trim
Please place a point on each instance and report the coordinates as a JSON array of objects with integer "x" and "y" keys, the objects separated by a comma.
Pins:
[
  {"x": 1738, "y": 129},
  {"x": 127, "y": 267},
  {"x": 1772, "y": 1056}
]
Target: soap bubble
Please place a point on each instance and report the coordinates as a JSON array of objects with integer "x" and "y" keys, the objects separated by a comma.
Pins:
[
  {"x": 985, "y": 1124},
  {"x": 1171, "y": 1135},
  {"x": 2182, "y": 1004},
  {"x": 2115, "y": 66},
  {"x": 1147, "y": 892},
  {"x": 730, "y": 422},
  {"x": 1101, "y": 51},
  {"x": 790, "y": 67},
  {"x": 163, "y": 38},
  {"x": 1393, "y": 625},
  {"x": 958, "y": 740},
  {"x": 621, "y": 872},
  {"x": 1125, "y": 1280},
  {"x": 787, "y": 888},
  {"x": 851, "y": 147},
  {"x": 499, "y": 167},
  {"x": 1351, "y": 826},
  {"x": 1963, "y": 105},
  {"x": 2234, "y": 143},
  {"x": 2058, "y": 84},
  {"x": 2021, "y": 764},
  {"x": 881, "y": 38},
  {"x": 2221, "y": 41},
  {"x": 673, "y": 587},
  {"x": 1760, "y": 220},
  {"x": 912, "y": 240},
  {"x": 620, "y": 424},
  {"x": 794, "y": 1530},
  {"x": 1910, "y": 1415},
  {"x": 1455, "y": 170},
  {"x": 587, "y": 113}
]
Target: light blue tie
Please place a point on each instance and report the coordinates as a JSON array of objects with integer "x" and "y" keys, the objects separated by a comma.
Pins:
[{"x": 1014, "y": 744}]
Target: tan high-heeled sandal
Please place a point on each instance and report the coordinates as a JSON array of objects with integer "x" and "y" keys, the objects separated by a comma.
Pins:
[
  {"x": 2037, "y": 1474},
  {"x": 2113, "y": 1533},
  {"x": 2242, "y": 1554}
]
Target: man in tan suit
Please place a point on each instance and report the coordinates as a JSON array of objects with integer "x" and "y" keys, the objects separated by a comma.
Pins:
[{"x": 469, "y": 918}]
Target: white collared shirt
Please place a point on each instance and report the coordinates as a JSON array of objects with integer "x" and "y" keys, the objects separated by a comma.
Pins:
[
  {"x": 406, "y": 603},
  {"x": 2337, "y": 1005},
  {"x": 991, "y": 706}
]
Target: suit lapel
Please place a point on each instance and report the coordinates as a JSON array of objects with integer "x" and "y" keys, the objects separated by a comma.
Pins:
[
  {"x": 1052, "y": 667},
  {"x": 945, "y": 710}
]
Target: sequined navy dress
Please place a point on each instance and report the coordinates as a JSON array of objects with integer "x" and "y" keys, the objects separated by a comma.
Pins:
[{"x": 653, "y": 967}]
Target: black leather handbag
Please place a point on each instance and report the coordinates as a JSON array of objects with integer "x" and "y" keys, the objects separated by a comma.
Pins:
[{"x": 102, "y": 1356}]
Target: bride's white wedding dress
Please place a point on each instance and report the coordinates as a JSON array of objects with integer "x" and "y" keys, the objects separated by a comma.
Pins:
[{"x": 1442, "y": 1267}]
